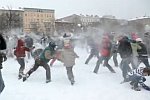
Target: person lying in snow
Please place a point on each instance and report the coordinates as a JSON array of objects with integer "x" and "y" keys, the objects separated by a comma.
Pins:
[{"x": 137, "y": 77}]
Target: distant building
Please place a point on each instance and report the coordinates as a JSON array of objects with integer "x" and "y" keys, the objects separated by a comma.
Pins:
[
  {"x": 142, "y": 20},
  {"x": 38, "y": 20},
  {"x": 109, "y": 23},
  {"x": 64, "y": 26},
  {"x": 109, "y": 17},
  {"x": 139, "y": 24},
  {"x": 30, "y": 19},
  {"x": 81, "y": 19}
]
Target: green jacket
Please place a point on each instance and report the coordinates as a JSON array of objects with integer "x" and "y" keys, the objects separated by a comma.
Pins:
[
  {"x": 135, "y": 46},
  {"x": 47, "y": 54}
]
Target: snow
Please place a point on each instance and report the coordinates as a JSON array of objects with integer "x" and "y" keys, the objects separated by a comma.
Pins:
[{"x": 88, "y": 86}]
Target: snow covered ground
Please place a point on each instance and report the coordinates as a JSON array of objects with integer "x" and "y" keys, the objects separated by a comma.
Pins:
[{"x": 88, "y": 86}]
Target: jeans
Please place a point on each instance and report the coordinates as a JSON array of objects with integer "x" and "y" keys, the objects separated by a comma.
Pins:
[
  {"x": 124, "y": 65},
  {"x": 105, "y": 62},
  {"x": 2, "y": 85}
]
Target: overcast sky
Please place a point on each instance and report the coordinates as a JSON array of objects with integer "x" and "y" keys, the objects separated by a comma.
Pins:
[{"x": 122, "y": 9}]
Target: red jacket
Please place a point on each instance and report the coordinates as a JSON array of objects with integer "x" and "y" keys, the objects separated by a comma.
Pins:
[
  {"x": 105, "y": 48},
  {"x": 20, "y": 49}
]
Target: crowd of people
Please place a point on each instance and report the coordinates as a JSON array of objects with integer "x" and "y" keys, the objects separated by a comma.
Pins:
[{"x": 132, "y": 50}]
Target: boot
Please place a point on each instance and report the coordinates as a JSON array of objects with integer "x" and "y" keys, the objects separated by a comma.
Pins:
[
  {"x": 113, "y": 71},
  {"x": 25, "y": 77},
  {"x": 20, "y": 75},
  {"x": 136, "y": 87},
  {"x": 72, "y": 82},
  {"x": 48, "y": 80}
]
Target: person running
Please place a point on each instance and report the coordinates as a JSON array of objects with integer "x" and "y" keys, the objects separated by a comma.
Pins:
[
  {"x": 105, "y": 50},
  {"x": 19, "y": 52},
  {"x": 47, "y": 54},
  {"x": 68, "y": 57}
]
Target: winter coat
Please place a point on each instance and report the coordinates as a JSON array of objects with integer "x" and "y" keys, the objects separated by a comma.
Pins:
[
  {"x": 2, "y": 59},
  {"x": 114, "y": 48},
  {"x": 20, "y": 49},
  {"x": 147, "y": 41},
  {"x": 47, "y": 54},
  {"x": 124, "y": 48},
  {"x": 136, "y": 75},
  {"x": 2, "y": 47},
  {"x": 143, "y": 51},
  {"x": 2, "y": 43},
  {"x": 138, "y": 72},
  {"x": 135, "y": 46},
  {"x": 68, "y": 55},
  {"x": 105, "y": 49},
  {"x": 36, "y": 52}
]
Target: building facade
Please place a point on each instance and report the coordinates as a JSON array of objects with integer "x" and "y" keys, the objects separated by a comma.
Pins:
[
  {"x": 81, "y": 19},
  {"x": 64, "y": 26},
  {"x": 89, "y": 19},
  {"x": 38, "y": 20}
]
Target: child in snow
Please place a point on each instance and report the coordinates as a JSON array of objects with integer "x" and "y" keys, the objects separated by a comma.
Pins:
[
  {"x": 137, "y": 77},
  {"x": 19, "y": 52},
  {"x": 68, "y": 57},
  {"x": 42, "y": 60}
]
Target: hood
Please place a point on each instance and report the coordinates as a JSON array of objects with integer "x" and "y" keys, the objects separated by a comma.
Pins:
[{"x": 20, "y": 43}]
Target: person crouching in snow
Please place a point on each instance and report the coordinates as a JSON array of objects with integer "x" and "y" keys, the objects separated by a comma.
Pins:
[
  {"x": 47, "y": 54},
  {"x": 19, "y": 52},
  {"x": 68, "y": 57},
  {"x": 137, "y": 76}
]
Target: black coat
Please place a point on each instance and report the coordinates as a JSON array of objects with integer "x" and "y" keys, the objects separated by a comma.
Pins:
[
  {"x": 2, "y": 43},
  {"x": 2, "y": 47},
  {"x": 124, "y": 48},
  {"x": 143, "y": 50}
]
